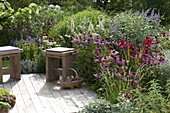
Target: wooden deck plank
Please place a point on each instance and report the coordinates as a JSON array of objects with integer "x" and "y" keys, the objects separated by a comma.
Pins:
[
  {"x": 45, "y": 93},
  {"x": 27, "y": 100},
  {"x": 19, "y": 98},
  {"x": 61, "y": 98},
  {"x": 34, "y": 95}
]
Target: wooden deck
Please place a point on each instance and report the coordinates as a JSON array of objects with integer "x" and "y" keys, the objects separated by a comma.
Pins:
[{"x": 34, "y": 95}]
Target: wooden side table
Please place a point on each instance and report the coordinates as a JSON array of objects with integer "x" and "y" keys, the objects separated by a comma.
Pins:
[
  {"x": 14, "y": 60},
  {"x": 58, "y": 58}
]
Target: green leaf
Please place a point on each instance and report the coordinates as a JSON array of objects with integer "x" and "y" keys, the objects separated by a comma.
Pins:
[
  {"x": 7, "y": 4},
  {"x": 2, "y": 7},
  {"x": 1, "y": 27}
]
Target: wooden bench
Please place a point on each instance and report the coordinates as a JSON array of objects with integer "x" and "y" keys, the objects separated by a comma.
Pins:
[
  {"x": 14, "y": 68},
  {"x": 58, "y": 59}
]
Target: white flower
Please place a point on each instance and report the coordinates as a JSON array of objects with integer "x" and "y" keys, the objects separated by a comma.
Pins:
[
  {"x": 45, "y": 41},
  {"x": 44, "y": 37},
  {"x": 51, "y": 6},
  {"x": 54, "y": 43},
  {"x": 101, "y": 24},
  {"x": 50, "y": 43},
  {"x": 57, "y": 7},
  {"x": 90, "y": 27},
  {"x": 72, "y": 24}
]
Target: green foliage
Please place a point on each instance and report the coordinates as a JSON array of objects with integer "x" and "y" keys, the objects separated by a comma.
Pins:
[
  {"x": 3, "y": 92},
  {"x": 99, "y": 106},
  {"x": 27, "y": 66},
  {"x": 85, "y": 64},
  {"x": 162, "y": 71},
  {"x": 16, "y": 4},
  {"x": 30, "y": 21},
  {"x": 49, "y": 16},
  {"x": 135, "y": 25},
  {"x": 5, "y": 62},
  {"x": 142, "y": 101},
  {"x": 115, "y": 6},
  {"x": 63, "y": 29},
  {"x": 4, "y": 105},
  {"x": 32, "y": 56},
  {"x": 5, "y": 12}
]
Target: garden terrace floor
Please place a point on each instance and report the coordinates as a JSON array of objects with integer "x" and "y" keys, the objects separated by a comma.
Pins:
[{"x": 34, "y": 95}]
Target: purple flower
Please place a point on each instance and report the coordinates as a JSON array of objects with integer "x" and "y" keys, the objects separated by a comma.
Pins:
[
  {"x": 100, "y": 41},
  {"x": 80, "y": 45},
  {"x": 132, "y": 87},
  {"x": 29, "y": 39},
  {"x": 120, "y": 74},
  {"x": 98, "y": 75},
  {"x": 75, "y": 52},
  {"x": 90, "y": 37},
  {"x": 133, "y": 75},
  {"x": 105, "y": 65},
  {"x": 123, "y": 67},
  {"x": 77, "y": 39},
  {"x": 84, "y": 35},
  {"x": 161, "y": 60},
  {"x": 98, "y": 59},
  {"x": 127, "y": 95},
  {"x": 85, "y": 41},
  {"x": 113, "y": 52},
  {"x": 134, "y": 81},
  {"x": 156, "y": 52}
]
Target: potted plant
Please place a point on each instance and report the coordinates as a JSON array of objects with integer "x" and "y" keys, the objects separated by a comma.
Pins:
[
  {"x": 4, "y": 107},
  {"x": 6, "y": 96},
  {"x": 70, "y": 80}
]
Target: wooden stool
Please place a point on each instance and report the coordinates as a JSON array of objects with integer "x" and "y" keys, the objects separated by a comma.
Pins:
[
  {"x": 14, "y": 60},
  {"x": 56, "y": 58}
]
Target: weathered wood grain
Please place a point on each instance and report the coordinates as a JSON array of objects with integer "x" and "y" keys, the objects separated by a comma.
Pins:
[{"x": 35, "y": 95}]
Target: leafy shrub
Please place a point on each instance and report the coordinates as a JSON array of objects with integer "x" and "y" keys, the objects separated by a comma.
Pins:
[
  {"x": 162, "y": 71},
  {"x": 22, "y": 3},
  {"x": 30, "y": 21},
  {"x": 99, "y": 106},
  {"x": 85, "y": 63},
  {"x": 27, "y": 66},
  {"x": 135, "y": 26},
  {"x": 32, "y": 56},
  {"x": 140, "y": 101},
  {"x": 66, "y": 32},
  {"x": 113, "y": 6},
  {"x": 119, "y": 65},
  {"x": 5, "y": 12}
]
